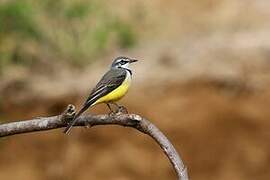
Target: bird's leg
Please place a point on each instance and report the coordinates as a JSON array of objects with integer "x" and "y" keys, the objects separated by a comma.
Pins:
[
  {"x": 111, "y": 110},
  {"x": 120, "y": 108}
]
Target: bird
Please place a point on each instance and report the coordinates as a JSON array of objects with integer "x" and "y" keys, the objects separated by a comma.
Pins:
[{"x": 112, "y": 87}]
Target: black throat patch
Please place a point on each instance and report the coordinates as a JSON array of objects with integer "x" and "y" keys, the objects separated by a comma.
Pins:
[{"x": 128, "y": 70}]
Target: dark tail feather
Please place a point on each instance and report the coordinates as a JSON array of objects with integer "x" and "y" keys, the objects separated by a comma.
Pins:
[{"x": 74, "y": 120}]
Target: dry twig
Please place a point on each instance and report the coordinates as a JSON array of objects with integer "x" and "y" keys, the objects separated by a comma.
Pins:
[{"x": 130, "y": 120}]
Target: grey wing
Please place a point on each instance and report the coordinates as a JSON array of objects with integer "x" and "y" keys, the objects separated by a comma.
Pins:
[{"x": 110, "y": 81}]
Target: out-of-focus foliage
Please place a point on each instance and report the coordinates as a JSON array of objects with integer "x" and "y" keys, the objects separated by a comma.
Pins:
[
  {"x": 49, "y": 30},
  {"x": 16, "y": 25},
  {"x": 206, "y": 61},
  {"x": 17, "y": 19}
]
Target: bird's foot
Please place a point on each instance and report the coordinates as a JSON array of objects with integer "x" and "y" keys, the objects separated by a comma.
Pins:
[
  {"x": 112, "y": 113},
  {"x": 122, "y": 109}
]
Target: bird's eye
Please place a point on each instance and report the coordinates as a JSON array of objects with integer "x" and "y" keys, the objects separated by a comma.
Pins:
[{"x": 123, "y": 62}]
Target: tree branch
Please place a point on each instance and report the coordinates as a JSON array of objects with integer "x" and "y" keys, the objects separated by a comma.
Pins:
[{"x": 130, "y": 120}]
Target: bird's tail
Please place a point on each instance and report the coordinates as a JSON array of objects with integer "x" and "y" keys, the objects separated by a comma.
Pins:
[{"x": 74, "y": 120}]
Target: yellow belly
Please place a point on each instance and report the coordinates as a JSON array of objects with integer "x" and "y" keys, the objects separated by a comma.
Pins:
[{"x": 116, "y": 94}]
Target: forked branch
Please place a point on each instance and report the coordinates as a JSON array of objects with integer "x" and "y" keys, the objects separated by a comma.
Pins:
[{"x": 130, "y": 120}]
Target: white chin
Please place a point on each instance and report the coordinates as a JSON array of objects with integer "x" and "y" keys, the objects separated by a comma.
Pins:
[{"x": 125, "y": 66}]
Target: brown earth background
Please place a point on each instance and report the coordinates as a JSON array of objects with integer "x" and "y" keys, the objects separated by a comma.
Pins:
[{"x": 203, "y": 79}]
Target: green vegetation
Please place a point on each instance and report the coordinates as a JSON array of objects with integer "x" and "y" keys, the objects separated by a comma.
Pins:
[
  {"x": 72, "y": 31},
  {"x": 125, "y": 34},
  {"x": 17, "y": 19}
]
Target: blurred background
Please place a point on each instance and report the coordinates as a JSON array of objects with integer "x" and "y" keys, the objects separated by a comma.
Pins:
[{"x": 203, "y": 79}]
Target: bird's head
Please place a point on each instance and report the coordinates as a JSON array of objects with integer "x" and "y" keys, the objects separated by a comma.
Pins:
[{"x": 122, "y": 62}]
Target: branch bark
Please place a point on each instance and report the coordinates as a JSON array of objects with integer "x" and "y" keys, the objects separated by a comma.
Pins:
[{"x": 130, "y": 120}]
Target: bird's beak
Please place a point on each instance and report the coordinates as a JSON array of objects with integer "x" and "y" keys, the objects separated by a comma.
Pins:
[{"x": 133, "y": 60}]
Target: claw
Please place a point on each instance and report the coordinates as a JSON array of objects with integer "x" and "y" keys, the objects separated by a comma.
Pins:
[
  {"x": 111, "y": 113},
  {"x": 122, "y": 109}
]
